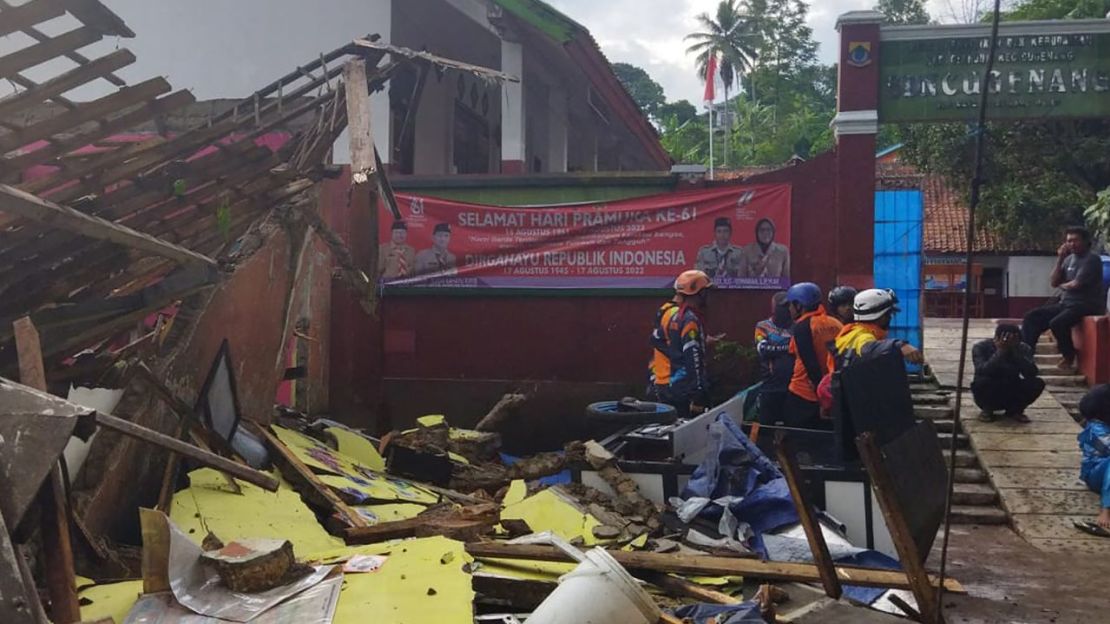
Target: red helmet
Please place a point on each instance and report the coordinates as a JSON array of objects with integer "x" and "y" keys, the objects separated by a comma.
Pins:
[{"x": 692, "y": 282}]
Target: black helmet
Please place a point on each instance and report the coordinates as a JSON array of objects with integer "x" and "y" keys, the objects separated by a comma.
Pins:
[{"x": 841, "y": 295}]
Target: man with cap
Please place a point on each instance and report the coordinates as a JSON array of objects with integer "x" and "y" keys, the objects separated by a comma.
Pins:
[
  {"x": 678, "y": 364},
  {"x": 1006, "y": 377},
  {"x": 437, "y": 259},
  {"x": 397, "y": 259},
  {"x": 720, "y": 258}
]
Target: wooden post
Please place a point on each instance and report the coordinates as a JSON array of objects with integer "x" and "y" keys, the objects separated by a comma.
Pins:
[
  {"x": 912, "y": 562},
  {"x": 817, "y": 545},
  {"x": 61, "y": 581},
  {"x": 363, "y": 161}
]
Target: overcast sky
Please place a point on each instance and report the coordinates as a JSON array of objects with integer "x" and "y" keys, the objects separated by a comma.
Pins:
[{"x": 228, "y": 48}]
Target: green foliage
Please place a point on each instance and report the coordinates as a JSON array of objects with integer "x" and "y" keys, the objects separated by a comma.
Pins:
[
  {"x": 647, "y": 93},
  {"x": 1098, "y": 215},
  {"x": 903, "y": 11},
  {"x": 681, "y": 110},
  {"x": 784, "y": 45},
  {"x": 729, "y": 36},
  {"x": 1039, "y": 176}
]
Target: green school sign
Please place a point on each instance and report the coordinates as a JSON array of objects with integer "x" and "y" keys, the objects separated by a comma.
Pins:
[{"x": 1041, "y": 70}]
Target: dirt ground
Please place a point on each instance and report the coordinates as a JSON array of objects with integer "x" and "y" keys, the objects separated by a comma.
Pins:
[{"x": 1010, "y": 581}]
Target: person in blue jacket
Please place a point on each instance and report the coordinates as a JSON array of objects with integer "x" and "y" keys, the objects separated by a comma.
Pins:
[{"x": 1094, "y": 442}]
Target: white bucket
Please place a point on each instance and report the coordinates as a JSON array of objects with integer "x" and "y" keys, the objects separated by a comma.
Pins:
[{"x": 598, "y": 591}]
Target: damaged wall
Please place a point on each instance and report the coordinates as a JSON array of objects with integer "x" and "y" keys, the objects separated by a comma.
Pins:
[
  {"x": 456, "y": 354},
  {"x": 248, "y": 308}
]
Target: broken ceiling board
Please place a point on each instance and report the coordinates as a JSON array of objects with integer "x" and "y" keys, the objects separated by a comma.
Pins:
[
  {"x": 34, "y": 430},
  {"x": 207, "y": 505},
  {"x": 371, "y": 487},
  {"x": 112, "y": 600},
  {"x": 358, "y": 448},
  {"x": 550, "y": 510},
  {"x": 424, "y": 580},
  {"x": 389, "y": 512},
  {"x": 524, "y": 570},
  {"x": 316, "y": 454}
]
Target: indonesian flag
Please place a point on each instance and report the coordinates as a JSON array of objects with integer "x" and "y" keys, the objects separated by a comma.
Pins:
[{"x": 711, "y": 80}]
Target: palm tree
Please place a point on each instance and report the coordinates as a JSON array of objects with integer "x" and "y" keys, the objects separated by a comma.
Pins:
[{"x": 729, "y": 37}]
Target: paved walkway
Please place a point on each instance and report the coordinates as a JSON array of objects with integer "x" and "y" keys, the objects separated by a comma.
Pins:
[{"x": 1035, "y": 467}]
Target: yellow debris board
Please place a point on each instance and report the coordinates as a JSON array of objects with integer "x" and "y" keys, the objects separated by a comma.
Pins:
[
  {"x": 113, "y": 600},
  {"x": 433, "y": 420},
  {"x": 389, "y": 512},
  {"x": 358, "y": 448},
  {"x": 550, "y": 511},
  {"x": 423, "y": 580},
  {"x": 207, "y": 505},
  {"x": 524, "y": 570},
  {"x": 316, "y": 454},
  {"x": 517, "y": 491},
  {"x": 380, "y": 487}
]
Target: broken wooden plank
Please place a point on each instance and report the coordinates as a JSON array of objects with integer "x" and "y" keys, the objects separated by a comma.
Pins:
[
  {"x": 707, "y": 565},
  {"x": 14, "y": 19},
  {"x": 64, "y": 82},
  {"x": 924, "y": 592},
  {"x": 812, "y": 526},
  {"x": 24, "y": 204},
  {"x": 84, "y": 113},
  {"x": 296, "y": 471},
  {"x": 363, "y": 45},
  {"x": 33, "y": 55},
  {"x": 235, "y": 469},
  {"x": 60, "y": 574},
  {"x": 681, "y": 588},
  {"x": 463, "y": 524}
]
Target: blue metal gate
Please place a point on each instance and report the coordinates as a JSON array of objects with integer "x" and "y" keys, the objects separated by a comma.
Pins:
[{"x": 898, "y": 257}]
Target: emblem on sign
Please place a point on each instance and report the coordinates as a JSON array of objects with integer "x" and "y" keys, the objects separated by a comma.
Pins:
[{"x": 859, "y": 53}]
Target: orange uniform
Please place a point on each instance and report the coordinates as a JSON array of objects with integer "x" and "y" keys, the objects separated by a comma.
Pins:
[{"x": 814, "y": 333}]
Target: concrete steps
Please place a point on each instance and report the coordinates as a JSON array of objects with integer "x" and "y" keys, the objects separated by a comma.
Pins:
[
  {"x": 979, "y": 514},
  {"x": 974, "y": 494}
]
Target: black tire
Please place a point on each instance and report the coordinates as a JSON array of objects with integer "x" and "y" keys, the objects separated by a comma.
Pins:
[{"x": 607, "y": 412}]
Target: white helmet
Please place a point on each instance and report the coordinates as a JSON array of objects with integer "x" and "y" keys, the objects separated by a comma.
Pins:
[{"x": 872, "y": 304}]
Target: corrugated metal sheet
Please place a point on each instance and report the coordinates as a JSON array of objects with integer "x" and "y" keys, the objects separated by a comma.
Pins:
[{"x": 898, "y": 256}]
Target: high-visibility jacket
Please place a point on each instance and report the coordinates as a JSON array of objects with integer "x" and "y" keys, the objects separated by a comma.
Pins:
[
  {"x": 850, "y": 342},
  {"x": 679, "y": 351},
  {"x": 814, "y": 333}
]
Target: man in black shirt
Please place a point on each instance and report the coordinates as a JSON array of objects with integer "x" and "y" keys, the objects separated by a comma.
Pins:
[
  {"x": 1005, "y": 375},
  {"x": 1078, "y": 274}
]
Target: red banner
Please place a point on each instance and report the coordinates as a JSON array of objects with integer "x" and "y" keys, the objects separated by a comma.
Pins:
[{"x": 739, "y": 235}]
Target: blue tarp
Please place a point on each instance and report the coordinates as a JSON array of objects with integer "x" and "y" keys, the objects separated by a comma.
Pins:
[
  {"x": 867, "y": 559},
  {"x": 558, "y": 478},
  {"x": 743, "y": 613},
  {"x": 736, "y": 467}
]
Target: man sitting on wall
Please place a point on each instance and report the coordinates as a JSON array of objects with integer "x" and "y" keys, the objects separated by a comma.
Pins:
[
  {"x": 1078, "y": 274},
  {"x": 1006, "y": 377}
]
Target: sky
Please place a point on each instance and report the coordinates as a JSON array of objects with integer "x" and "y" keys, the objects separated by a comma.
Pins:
[
  {"x": 649, "y": 33},
  {"x": 228, "y": 48}
]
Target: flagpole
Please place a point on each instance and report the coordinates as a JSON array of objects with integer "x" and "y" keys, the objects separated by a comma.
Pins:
[{"x": 711, "y": 140}]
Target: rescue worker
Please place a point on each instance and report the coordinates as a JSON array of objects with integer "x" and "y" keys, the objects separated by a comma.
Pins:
[
  {"x": 678, "y": 364},
  {"x": 772, "y": 342},
  {"x": 874, "y": 309},
  {"x": 814, "y": 331},
  {"x": 840, "y": 303}
]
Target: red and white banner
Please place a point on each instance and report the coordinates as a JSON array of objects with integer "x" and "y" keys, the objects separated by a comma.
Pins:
[{"x": 739, "y": 235}]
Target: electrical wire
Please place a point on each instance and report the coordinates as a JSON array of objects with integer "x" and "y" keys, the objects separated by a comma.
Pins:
[{"x": 976, "y": 185}]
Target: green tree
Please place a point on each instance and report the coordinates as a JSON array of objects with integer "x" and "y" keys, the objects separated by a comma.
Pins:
[
  {"x": 784, "y": 45},
  {"x": 903, "y": 11},
  {"x": 681, "y": 110},
  {"x": 647, "y": 93},
  {"x": 1039, "y": 176},
  {"x": 728, "y": 36}
]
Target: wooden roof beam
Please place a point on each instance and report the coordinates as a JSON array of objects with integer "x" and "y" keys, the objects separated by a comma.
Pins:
[
  {"x": 28, "y": 206},
  {"x": 93, "y": 13},
  {"x": 84, "y": 113},
  {"x": 42, "y": 52},
  {"x": 15, "y": 19},
  {"x": 65, "y": 82},
  {"x": 104, "y": 129}
]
